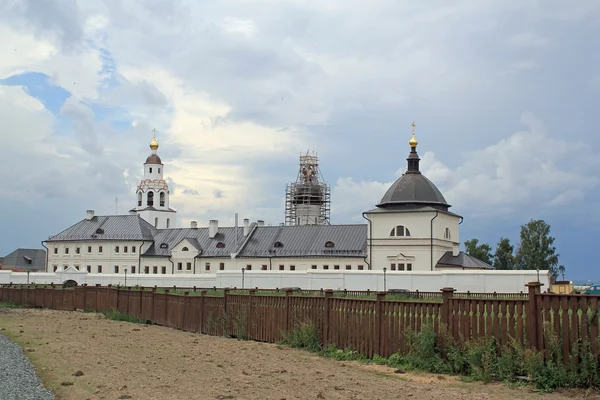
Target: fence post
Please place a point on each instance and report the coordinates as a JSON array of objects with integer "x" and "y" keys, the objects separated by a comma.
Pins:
[
  {"x": 445, "y": 327},
  {"x": 251, "y": 294},
  {"x": 186, "y": 300},
  {"x": 202, "y": 297},
  {"x": 532, "y": 315},
  {"x": 167, "y": 307},
  {"x": 287, "y": 322},
  {"x": 378, "y": 322},
  {"x": 225, "y": 295},
  {"x": 153, "y": 300},
  {"x": 327, "y": 307}
]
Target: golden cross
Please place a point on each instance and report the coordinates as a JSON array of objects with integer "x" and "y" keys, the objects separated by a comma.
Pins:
[
  {"x": 413, "y": 125},
  {"x": 154, "y": 130}
]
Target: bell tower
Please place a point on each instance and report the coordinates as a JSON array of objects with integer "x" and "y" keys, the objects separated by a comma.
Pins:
[{"x": 153, "y": 192}]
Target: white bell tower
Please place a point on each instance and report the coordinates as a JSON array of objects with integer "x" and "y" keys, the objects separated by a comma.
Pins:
[{"x": 153, "y": 193}]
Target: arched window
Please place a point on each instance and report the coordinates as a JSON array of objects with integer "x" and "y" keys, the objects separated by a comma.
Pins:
[
  {"x": 159, "y": 170},
  {"x": 164, "y": 245},
  {"x": 278, "y": 244},
  {"x": 447, "y": 233},
  {"x": 185, "y": 249},
  {"x": 156, "y": 222},
  {"x": 139, "y": 199},
  {"x": 220, "y": 245},
  {"x": 168, "y": 223},
  {"x": 162, "y": 199},
  {"x": 150, "y": 199},
  {"x": 400, "y": 230},
  {"x": 329, "y": 244}
]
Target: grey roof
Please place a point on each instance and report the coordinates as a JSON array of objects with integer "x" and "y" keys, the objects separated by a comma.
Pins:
[
  {"x": 199, "y": 237},
  {"x": 413, "y": 188},
  {"x": 114, "y": 227},
  {"x": 25, "y": 259},
  {"x": 462, "y": 260},
  {"x": 412, "y": 208},
  {"x": 151, "y": 208},
  {"x": 307, "y": 241}
]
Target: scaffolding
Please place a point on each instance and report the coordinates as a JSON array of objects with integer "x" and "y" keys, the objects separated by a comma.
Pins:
[{"x": 308, "y": 200}]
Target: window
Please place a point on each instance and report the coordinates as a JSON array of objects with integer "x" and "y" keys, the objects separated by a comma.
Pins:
[
  {"x": 55, "y": 267},
  {"x": 155, "y": 270},
  {"x": 65, "y": 267},
  {"x": 164, "y": 270},
  {"x": 329, "y": 244},
  {"x": 133, "y": 249},
  {"x": 222, "y": 266},
  {"x": 409, "y": 267},
  {"x": 159, "y": 170},
  {"x": 66, "y": 250},
  {"x": 313, "y": 267},
  {"x": 164, "y": 245},
  {"x": 116, "y": 269},
  {"x": 207, "y": 267},
  {"x": 162, "y": 199},
  {"x": 139, "y": 199},
  {"x": 100, "y": 249},
  {"x": 125, "y": 249},
  {"x": 188, "y": 266},
  {"x": 168, "y": 223},
  {"x": 348, "y": 267},
  {"x": 133, "y": 269},
  {"x": 281, "y": 267},
  {"x": 89, "y": 268},
  {"x": 360, "y": 267},
  {"x": 393, "y": 266},
  {"x": 179, "y": 266},
  {"x": 156, "y": 222},
  {"x": 325, "y": 266},
  {"x": 56, "y": 250},
  {"x": 77, "y": 268},
  {"x": 447, "y": 233},
  {"x": 77, "y": 250},
  {"x": 99, "y": 269},
  {"x": 336, "y": 267},
  {"x": 150, "y": 198},
  {"x": 249, "y": 267},
  {"x": 278, "y": 244},
  {"x": 99, "y": 231},
  {"x": 400, "y": 230},
  {"x": 185, "y": 249},
  {"x": 220, "y": 245},
  {"x": 146, "y": 270},
  {"x": 264, "y": 267},
  {"x": 400, "y": 266},
  {"x": 150, "y": 169},
  {"x": 116, "y": 249},
  {"x": 292, "y": 267},
  {"x": 89, "y": 249}
]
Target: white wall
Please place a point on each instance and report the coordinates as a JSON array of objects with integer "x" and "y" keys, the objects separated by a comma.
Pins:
[
  {"x": 462, "y": 281},
  {"x": 107, "y": 259}
]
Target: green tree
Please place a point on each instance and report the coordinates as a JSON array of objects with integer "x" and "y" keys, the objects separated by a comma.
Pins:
[
  {"x": 536, "y": 248},
  {"x": 503, "y": 257},
  {"x": 479, "y": 251}
]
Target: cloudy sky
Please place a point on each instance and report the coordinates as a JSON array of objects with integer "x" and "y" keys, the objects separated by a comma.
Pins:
[{"x": 505, "y": 95}]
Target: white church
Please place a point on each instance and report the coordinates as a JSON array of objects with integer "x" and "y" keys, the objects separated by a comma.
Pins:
[{"x": 410, "y": 230}]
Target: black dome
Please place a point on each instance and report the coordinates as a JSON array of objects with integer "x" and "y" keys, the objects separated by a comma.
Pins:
[
  {"x": 153, "y": 159},
  {"x": 413, "y": 189}
]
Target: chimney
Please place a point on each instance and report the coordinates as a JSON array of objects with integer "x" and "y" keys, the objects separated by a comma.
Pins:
[
  {"x": 132, "y": 212},
  {"x": 213, "y": 227},
  {"x": 89, "y": 214},
  {"x": 194, "y": 224},
  {"x": 260, "y": 222},
  {"x": 455, "y": 250},
  {"x": 246, "y": 226}
]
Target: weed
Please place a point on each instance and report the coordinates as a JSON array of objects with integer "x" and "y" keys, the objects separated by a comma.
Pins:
[
  {"x": 304, "y": 336},
  {"x": 117, "y": 315}
]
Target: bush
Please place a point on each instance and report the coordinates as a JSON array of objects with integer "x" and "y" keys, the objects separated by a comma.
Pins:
[
  {"x": 116, "y": 315},
  {"x": 304, "y": 336}
]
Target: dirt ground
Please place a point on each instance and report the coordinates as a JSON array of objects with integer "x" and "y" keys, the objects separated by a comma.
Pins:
[{"x": 120, "y": 360}]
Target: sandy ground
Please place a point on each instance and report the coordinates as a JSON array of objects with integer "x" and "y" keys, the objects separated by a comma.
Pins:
[{"x": 119, "y": 360}]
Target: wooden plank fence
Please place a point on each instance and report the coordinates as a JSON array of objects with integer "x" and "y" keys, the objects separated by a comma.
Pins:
[{"x": 368, "y": 326}]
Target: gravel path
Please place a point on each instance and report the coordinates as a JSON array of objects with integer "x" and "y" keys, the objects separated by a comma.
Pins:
[{"x": 18, "y": 380}]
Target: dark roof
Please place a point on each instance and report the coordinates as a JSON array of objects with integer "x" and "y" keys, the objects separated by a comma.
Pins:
[
  {"x": 153, "y": 159},
  {"x": 25, "y": 259},
  {"x": 413, "y": 189},
  {"x": 199, "y": 237},
  {"x": 149, "y": 208},
  {"x": 113, "y": 227},
  {"x": 307, "y": 240},
  {"x": 412, "y": 208},
  {"x": 462, "y": 260}
]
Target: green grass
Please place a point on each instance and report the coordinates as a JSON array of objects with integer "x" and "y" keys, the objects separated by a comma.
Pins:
[
  {"x": 10, "y": 304},
  {"x": 116, "y": 315}
]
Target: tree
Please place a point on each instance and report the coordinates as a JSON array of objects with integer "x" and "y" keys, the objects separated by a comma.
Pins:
[
  {"x": 503, "y": 257},
  {"x": 536, "y": 248},
  {"x": 561, "y": 270},
  {"x": 479, "y": 251}
]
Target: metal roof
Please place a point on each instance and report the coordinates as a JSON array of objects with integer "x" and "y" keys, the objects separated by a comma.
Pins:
[
  {"x": 111, "y": 227},
  {"x": 307, "y": 241},
  {"x": 462, "y": 260},
  {"x": 199, "y": 238},
  {"x": 25, "y": 259},
  {"x": 412, "y": 208},
  {"x": 413, "y": 188}
]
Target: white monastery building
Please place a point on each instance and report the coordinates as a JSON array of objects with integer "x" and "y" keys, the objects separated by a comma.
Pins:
[{"x": 411, "y": 229}]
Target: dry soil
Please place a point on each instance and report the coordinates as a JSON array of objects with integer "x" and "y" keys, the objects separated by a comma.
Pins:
[{"x": 120, "y": 360}]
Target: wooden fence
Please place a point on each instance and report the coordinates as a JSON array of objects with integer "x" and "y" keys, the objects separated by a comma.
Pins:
[{"x": 368, "y": 326}]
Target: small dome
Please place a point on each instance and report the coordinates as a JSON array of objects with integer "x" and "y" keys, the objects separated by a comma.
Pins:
[
  {"x": 154, "y": 144},
  {"x": 413, "y": 142},
  {"x": 153, "y": 159},
  {"x": 413, "y": 189}
]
